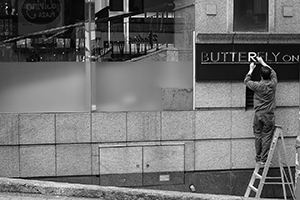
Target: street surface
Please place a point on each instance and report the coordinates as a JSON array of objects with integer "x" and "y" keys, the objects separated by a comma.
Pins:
[{"x": 22, "y": 196}]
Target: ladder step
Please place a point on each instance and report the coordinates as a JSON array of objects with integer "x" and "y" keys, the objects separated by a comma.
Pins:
[
  {"x": 257, "y": 175},
  {"x": 284, "y": 179},
  {"x": 253, "y": 188},
  {"x": 278, "y": 183},
  {"x": 273, "y": 177}
]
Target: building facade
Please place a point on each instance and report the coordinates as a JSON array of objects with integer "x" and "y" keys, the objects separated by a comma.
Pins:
[{"x": 144, "y": 94}]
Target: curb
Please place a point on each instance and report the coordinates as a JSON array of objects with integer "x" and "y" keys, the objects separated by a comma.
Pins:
[{"x": 101, "y": 192}]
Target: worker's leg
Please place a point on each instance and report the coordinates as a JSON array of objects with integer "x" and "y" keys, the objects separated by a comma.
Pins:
[
  {"x": 267, "y": 134},
  {"x": 257, "y": 129}
]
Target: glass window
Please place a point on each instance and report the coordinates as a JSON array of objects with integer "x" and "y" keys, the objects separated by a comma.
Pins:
[
  {"x": 42, "y": 31},
  {"x": 251, "y": 15},
  {"x": 116, "y": 5}
]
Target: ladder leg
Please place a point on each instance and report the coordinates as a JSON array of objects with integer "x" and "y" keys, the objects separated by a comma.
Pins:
[
  {"x": 289, "y": 179},
  {"x": 265, "y": 170},
  {"x": 282, "y": 176},
  {"x": 285, "y": 180},
  {"x": 252, "y": 180},
  {"x": 288, "y": 166},
  {"x": 267, "y": 165}
]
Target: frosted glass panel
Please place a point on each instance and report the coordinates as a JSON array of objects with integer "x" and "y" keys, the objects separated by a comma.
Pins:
[
  {"x": 43, "y": 87},
  {"x": 137, "y": 86}
]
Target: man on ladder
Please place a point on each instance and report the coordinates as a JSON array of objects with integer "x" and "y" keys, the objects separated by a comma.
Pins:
[{"x": 264, "y": 105}]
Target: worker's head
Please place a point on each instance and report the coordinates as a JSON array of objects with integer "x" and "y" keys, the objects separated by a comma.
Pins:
[{"x": 265, "y": 72}]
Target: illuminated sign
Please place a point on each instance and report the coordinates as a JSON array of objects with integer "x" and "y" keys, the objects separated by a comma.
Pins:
[
  {"x": 38, "y": 15},
  {"x": 41, "y": 11}
]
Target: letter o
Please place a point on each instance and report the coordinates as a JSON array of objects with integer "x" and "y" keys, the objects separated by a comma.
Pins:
[
  {"x": 28, "y": 7},
  {"x": 286, "y": 56}
]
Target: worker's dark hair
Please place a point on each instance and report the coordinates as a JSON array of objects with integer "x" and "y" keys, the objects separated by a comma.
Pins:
[{"x": 265, "y": 72}]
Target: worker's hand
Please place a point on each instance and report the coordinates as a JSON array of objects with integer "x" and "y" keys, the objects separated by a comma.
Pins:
[
  {"x": 252, "y": 66},
  {"x": 259, "y": 59}
]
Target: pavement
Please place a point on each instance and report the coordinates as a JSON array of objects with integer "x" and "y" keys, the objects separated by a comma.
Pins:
[
  {"x": 22, "y": 196},
  {"x": 20, "y": 189}
]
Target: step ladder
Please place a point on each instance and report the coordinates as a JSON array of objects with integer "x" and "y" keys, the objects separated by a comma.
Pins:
[{"x": 285, "y": 178}]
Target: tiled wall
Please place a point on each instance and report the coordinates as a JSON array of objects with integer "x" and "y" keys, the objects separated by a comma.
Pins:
[
  {"x": 222, "y": 115},
  {"x": 218, "y": 136},
  {"x": 283, "y": 16}
]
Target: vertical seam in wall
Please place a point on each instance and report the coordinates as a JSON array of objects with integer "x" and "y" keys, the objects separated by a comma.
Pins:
[
  {"x": 194, "y": 130},
  {"x": 142, "y": 165},
  {"x": 184, "y": 162},
  {"x": 99, "y": 166},
  {"x": 55, "y": 145},
  {"x": 161, "y": 124},
  {"x": 19, "y": 145},
  {"x": 90, "y": 119},
  {"x": 126, "y": 128}
]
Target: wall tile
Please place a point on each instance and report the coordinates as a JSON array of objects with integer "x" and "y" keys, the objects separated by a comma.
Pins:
[
  {"x": 286, "y": 24},
  {"x": 243, "y": 153},
  {"x": 189, "y": 156},
  {"x": 178, "y": 125},
  {"x": 208, "y": 24},
  {"x": 37, "y": 161},
  {"x": 212, "y": 154},
  {"x": 287, "y": 94},
  {"x": 108, "y": 127},
  {"x": 73, "y": 128},
  {"x": 189, "y": 153},
  {"x": 163, "y": 158},
  {"x": 9, "y": 129},
  {"x": 95, "y": 156},
  {"x": 290, "y": 157},
  {"x": 120, "y": 160},
  {"x": 36, "y": 128},
  {"x": 95, "y": 165},
  {"x": 9, "y": 165},
  {"x": 288, "y": 118},
  {"x": 213, "y": 124},
  {"x": 242, "y": 123},
  {"x": 143, "y": 126},
  {"x": 75, "y": 159},
  {"x": 238, "y": 94},
  {"x": 177, "y": 99},
  {"x": 213, "y": 94}
]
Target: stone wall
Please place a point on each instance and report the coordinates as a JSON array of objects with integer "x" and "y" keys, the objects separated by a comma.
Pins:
[
  {"x": 216, "y": 16},
  {"x": 215, "y": 141}
]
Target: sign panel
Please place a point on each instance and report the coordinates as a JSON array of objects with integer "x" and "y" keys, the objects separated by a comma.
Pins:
[
  {"x": 231, "y": 61},
  {"x": 38, "y": 15}
]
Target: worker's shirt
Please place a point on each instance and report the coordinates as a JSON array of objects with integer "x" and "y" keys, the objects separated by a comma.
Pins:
[{"x": 264, "y": 92}]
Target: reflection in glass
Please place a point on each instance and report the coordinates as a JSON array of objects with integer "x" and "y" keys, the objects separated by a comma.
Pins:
[
  {"x": 251, "y": 15},
  {"x": 33, "y": 30},
  {"x": 125, "y": 31}
]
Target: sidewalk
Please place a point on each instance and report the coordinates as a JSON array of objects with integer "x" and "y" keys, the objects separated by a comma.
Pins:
[
  {"x": 22, "y": 196},
  {"x": 31, "y": 189}
]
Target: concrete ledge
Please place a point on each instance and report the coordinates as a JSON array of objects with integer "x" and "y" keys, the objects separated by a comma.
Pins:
[
  {"x": 247, "y": 38},
  {"x": 93, "y": 191}
]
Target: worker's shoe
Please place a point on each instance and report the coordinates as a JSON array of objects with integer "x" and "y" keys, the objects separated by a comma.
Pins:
[{"x": 261, "y": 163}]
